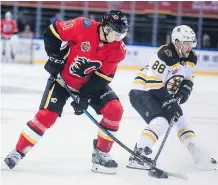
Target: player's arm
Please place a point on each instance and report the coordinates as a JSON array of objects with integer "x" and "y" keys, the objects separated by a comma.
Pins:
[
  {"x": 187, "y": 84},
  {"x": 60, "y": 31},
  {"x": 161, "y": 68},
  {"x": 52, "y": 40},
  {"x": 15, "y": 30},
  {"x": 104, "y": 75},
  {"x": 190, "y": 64},
  {"x": 158, "y": 70},
  {"x": 54, "y": 35},
  {"x": 97, "y": 82}
]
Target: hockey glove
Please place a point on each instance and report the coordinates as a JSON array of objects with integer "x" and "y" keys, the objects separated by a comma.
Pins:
[
  {"x": 79, "y": 105},
  {"x": 184, "y": 91},
  {"x": 54, "y": 65},
  {"x": 171, "y": 109}
]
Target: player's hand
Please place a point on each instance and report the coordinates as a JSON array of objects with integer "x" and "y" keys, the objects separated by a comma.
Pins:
[
  {"x": 184, "y": 91},
  {"x": 172, "y": 109},
  {"x": 54, "y": 65},
  {"x": 80, "y": 105}
]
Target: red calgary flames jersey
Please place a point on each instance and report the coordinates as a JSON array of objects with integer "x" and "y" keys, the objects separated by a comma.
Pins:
[
  {"x": 87, "y": 54},
  {"x": 8, "y": 28}
]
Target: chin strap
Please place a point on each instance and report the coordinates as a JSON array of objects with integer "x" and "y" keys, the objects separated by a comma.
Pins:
[
  {"x": 179, "y": 50},
  {"x": 105, "y": 35}
]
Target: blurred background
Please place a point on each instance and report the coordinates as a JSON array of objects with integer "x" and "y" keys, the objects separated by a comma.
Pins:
[{"x": 151, "y": 22}]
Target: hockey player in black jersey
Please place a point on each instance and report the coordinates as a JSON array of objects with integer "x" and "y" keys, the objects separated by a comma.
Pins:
[{"x": 156, "y": 89}]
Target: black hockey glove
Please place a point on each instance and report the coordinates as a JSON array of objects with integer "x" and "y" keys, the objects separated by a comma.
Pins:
[
  {"x": 171, "y": 108},
  {"x": 184, "y": 91},
  {"x": 54, "y": 65},
  {"x": 80, "y": 104}
]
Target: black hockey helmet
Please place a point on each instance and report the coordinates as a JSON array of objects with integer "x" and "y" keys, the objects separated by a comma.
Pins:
[{"x": 116, "y": 20}]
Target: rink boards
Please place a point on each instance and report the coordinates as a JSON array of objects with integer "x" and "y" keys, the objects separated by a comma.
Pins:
[{"x": 32, "y": 51}]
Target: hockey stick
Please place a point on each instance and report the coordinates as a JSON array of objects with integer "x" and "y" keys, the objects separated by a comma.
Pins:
[
  {"x": 160, "y": 173},
  {"x": 164, "y": 140},
  {"x": 151, "y": 171},
  {"x": 162, "y": 145}
]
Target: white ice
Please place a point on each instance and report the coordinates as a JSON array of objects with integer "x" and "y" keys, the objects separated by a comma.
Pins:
[{"x": 63, "y": 156}]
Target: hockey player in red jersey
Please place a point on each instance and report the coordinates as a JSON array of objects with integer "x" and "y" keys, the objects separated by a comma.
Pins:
[
  {"x": 87, "y": 63},
  {"x": 8, "y": 28}
]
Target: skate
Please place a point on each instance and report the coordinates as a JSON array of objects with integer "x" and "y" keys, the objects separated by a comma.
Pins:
[
  {"x": 12, "y": 159},
  {"x": 201, "y": 159},
  {"x": 102, "y": 162},
  {"x": 136, "y": 163}
]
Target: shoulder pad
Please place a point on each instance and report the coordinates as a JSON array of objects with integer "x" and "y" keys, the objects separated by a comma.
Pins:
[{"x": 166, "y": 54}]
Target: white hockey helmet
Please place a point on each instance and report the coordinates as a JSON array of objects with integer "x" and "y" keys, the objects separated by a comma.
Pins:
[
  {"x": 8, "y": 16},
  {"x": 183, "y": 33}
]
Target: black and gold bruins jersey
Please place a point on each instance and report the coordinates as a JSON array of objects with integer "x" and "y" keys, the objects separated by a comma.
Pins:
[{"x": 165, "y": 71}]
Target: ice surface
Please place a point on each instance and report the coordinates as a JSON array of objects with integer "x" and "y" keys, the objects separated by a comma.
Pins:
[{"x": 63, "y": 156}]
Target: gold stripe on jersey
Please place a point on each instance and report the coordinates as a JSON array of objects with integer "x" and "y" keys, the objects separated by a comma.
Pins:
[
  {"x": 158, "y": 49},
  {"x": 191, "y": 64},
  {"x": 59, "y": 82},
  {"x": 67, "y": 54},
  {"x": 54, "y": 32},
  {"x": 49, "y": 97},
  {"x": 176, "y": 65},
  {"x": 145, "y": 76},
  {"x": 141, "y": 82},
  {"x": 103, "y": 76},
  {"x": 148, "y": 81}
]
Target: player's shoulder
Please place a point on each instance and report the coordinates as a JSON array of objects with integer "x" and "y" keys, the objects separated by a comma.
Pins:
[
  {"x": 192, "y": 58},
  {"x": 118, "y": 49},
  {"x": 120, "y": 45},
  {"x": 85, "y": 23},
  {"x": 167, "y": 53}
]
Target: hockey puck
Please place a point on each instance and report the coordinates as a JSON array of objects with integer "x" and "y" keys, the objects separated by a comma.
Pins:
[{"x": 159, "y": 174}]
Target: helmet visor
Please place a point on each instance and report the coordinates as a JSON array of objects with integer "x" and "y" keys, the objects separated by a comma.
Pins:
[
  {"x": 120, "y": 36},
  {"x": 193, "y": 44},
  {"x": 116, "y": 35}
]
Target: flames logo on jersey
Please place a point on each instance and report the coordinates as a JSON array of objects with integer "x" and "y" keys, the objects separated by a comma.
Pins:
[
  {"x": 174, "y": 83},
  {"x": 82, "y": 66}
]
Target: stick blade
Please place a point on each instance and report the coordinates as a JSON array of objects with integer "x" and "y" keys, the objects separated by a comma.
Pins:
[
  {"x": 157, "y": 173},
  {"x": 177, "y": 175},
  {"x": 160, "y": 174}
]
